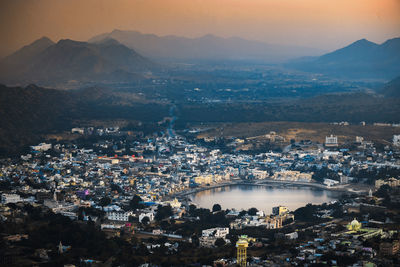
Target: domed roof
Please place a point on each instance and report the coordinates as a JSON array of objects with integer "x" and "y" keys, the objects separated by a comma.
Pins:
[{"x": 354, "y": 225}]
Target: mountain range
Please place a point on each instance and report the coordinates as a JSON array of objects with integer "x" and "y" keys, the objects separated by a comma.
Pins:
[
  {"x": 67, "y": 60},
  {"x": 206, "y": 48},
  {"x": 112, "y": 58},
  {"x": 361, "y": 59}
]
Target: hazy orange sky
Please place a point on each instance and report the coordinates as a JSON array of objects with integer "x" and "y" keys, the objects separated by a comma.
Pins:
[{"x": 327, "y": 24}]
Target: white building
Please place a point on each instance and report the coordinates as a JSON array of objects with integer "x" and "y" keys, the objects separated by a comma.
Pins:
[
  {"x": 42, "y": 147},
  {"x": 359, "y": 139},
  {"x": 331, "y": 141},
  {"x": 219, "y": 232},
  {"x": 78, "y": 130},
  {"x": 293, "y": 235},
  {"x": 150, "y": 215},
  {"x": 396, "y": 140},
  {"x": 330, "y": 182},
  {"x": 118, "y": 216},
  {"x": 10, "y": 198},
  {"x": 207, "y": 241}
]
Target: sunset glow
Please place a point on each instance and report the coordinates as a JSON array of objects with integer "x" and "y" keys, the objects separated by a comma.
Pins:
[{"x": 326, "y": 24}]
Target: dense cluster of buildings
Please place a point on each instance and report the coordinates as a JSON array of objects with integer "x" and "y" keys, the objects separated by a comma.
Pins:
[{"x": 67, "y": 177}]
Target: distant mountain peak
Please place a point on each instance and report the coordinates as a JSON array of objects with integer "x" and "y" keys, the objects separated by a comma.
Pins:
[
  {"x": 360, "y": 59},
  {"x": 27, "y": 53},
  {"x": 43, "y": 40},
  {"x": 364, "y": 42},
  {"x": 75, "y": 60},
  {"x": 70, "y": 42},
  {"x": 108, "y": 41},
  {"x": 40, "y": 43},
  {"x": 394, "y": 42}
]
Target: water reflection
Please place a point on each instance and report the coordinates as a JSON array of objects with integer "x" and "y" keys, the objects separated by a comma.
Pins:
[{"x": 262, "y": 197}]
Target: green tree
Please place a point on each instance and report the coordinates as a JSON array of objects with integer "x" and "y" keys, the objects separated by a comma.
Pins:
[
  {"x": 220, "y": 242},
  {"x": 135, "y": 204},
  {"x": 216, "y": 207},
  {"x": 105, "y": 201},
  {"x": 163, "y": 212},
  {"x": 252, "y": 211},
  {"x": 192, "y": 209},
  {"x": 145, "y": 220}
]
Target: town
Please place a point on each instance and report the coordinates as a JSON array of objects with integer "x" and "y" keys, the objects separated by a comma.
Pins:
[{"x": 135, "y": 191}]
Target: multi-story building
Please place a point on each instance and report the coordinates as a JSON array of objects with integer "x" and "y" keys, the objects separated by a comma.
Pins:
[
  {"x": 280, "y": 210},
  {"x": 331, "y": 141},
  {"x": 118, "y": 216},
  {"x": 273, "y": 222},
  {"x": 292, "y": 176},
  {"x": 219, "y": 232},
  {"x": 392, "y": 182}
]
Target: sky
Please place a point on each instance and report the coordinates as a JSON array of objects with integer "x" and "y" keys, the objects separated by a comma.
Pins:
[{"x": 323, "y": 24}]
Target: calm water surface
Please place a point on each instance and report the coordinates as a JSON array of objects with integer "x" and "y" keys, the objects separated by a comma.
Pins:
[{"x": 262, "y": 197}]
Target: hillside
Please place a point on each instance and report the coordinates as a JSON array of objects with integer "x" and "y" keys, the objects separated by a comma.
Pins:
[
  {"x": 392, "y": 88},
  {"x": 45, "y": 62},
  {"x": 361, "y": 59},
  {"x": 28, "y": 113},
  {"x": 205, "y": 48}
]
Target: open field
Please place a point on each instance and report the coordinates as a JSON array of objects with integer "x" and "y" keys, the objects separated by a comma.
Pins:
[{"x": 315, "y": 132}]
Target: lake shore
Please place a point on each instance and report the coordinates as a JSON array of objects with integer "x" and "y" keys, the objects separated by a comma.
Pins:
[{"x": 269, "y": 183}]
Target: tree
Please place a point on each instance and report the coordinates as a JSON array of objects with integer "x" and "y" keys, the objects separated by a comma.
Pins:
[
  {"x": 192, "y": 209},
  {"x": 216, "y": 207},
  {"x": 242, "y": 213},
  {"x": 134, "y": 203},
  {"x": 105, "y": 201},
  {"x": 163, "y": 212},
  {"x": 306, "y": 214},
  {"x": 383, "y": 191},
  {"x": 195, "y": 240},
  {"x": 219, "y": 242},
  {"x": 115, "y": 187},
  {"x": 153, "y": 169},
  {"x": 165, "y": 224},
  {"x": 145, "y": 220},
  {"x": 252, "y": 211}
]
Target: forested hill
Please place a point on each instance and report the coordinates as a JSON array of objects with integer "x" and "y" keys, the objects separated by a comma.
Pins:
[{"x": 27, "y": 113}]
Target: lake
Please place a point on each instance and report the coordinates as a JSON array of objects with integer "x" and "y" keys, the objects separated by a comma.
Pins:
[{"x": 262, "y": 197}]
